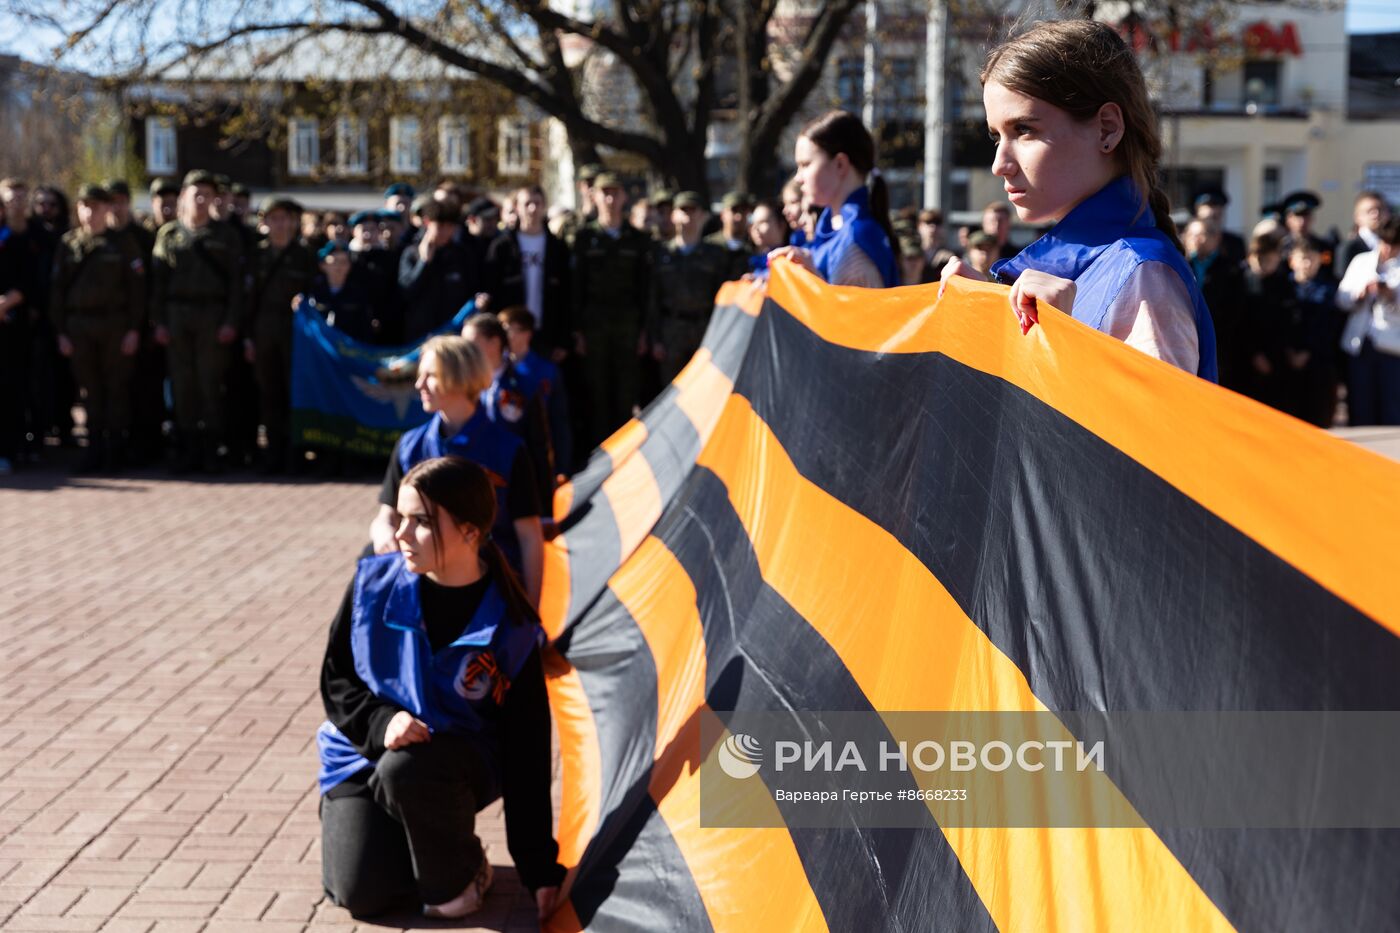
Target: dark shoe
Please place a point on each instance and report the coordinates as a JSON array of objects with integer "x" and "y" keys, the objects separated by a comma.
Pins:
[
  {"x": 186, "y": 454},
  {"x": 92, "y": 459},
  {"x": 209, "y": 460}
]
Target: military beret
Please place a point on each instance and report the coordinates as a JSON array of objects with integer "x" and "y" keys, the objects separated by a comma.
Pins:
[
  {"x": 221, "y": 180},
  {"x": 607, "y": 180},
  {"x": 331, "y": 246},
  {"x": 360, "y": 217},
  {"x": 734, "y": 199},
  {"x": 480, "y": 207},
  {"x": 689, "y": 199},
  {"x": 418, "y": 203},
  {"x": 275, "y": 202},
  {"x": 164, "y": 186},
  {"x": 200, "y": 177},
  {"x": 662, "y": 196},
  {"x": 1301, "y": 202},
  {"x": 399, "y": 189},
  {"x": 93, "y": 193},
  {"x": 118, "y": 186},
  {"x": 387, "y": 215},
  {"x": 1212, "y": 196},
  {"x": 589, "y": 171},
  {"x": 982, "y": 240}
]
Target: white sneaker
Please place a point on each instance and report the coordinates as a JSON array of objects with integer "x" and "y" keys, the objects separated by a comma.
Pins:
[{"x": 469, "y": 901}]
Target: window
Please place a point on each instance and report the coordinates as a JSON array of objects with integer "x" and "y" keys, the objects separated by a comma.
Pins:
[
  {"x": 1261, "y": 83},
  {"x": 1272, "y": 184},
  {"x": 405, "y": 149},
  {"x": 160, "y": 146},
  {"x": 303, "y": 145},
  {"x": 900, "y": 95},
  {"x": 454, "y": 144},
  {"x": 514, "y": 146},
  {"x": 351, "y": 146},
  {"x": 850, "y": 84}
]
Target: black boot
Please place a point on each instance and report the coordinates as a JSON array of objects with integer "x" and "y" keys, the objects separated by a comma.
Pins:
[
  {"x": 114, "y": 457},
  {"x": 187, "y": 453},
  {"x": 93, "y": 457},
  {"x": 209, "y": 454}
]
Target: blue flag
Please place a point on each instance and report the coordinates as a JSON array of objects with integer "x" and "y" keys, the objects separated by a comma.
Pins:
[{"x": 353, "y": 396}]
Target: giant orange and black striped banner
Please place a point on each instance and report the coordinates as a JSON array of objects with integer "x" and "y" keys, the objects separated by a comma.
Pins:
[{"x": 882, "y": 501}]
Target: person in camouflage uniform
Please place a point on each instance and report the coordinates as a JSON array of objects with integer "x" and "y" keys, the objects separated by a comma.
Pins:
[
  {"x": 282, "y": 269},
  {"x": 733, "y": 234},
  {"x": 148, "y": 406},
  {"x": 165, "y": 201},
  {"x": 611, "y": 283},
  {"x": 688, "y": 272},
  {"x": 198, "y": 308},
  {"x": 98, "y": 306},
  {"x": 586, "y": 212}
]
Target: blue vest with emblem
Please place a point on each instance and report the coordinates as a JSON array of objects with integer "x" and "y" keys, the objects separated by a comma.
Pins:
[
  {"x": 505, "y": 399},
  {"x": 858, "y": 228},
  {"x": 489, "y": 446},
  {"x": 456, "y": 691},
  {"x": 538, "y": 373},
  {"x": 1099, "y": 245}
]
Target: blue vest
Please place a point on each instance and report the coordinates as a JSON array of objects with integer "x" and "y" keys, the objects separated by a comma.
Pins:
[
  {"x": 1098, "y": 245},
  {"x": 858, "y": 228},
  {"x": 504, "y": 401},
  {"x": 489, "y": 446},
  {"x": 457, "y": 691},
  {"x": 537, "y": 373}
]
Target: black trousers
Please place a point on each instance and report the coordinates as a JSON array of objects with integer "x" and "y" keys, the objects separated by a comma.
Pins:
[{"x": 409, "y": 833}]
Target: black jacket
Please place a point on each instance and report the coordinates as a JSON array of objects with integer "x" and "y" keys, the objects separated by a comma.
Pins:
[
  {"x": 505, "y": 283},
  {"x": 433, "y": 292}
]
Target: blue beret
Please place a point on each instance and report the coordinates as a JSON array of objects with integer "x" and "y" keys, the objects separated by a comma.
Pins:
[
  {"x": 331, "y": 247},
  {"x": 399, "y": 188}
]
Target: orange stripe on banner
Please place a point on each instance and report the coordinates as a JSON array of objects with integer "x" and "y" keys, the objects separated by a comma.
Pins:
[
  {"x": 635, "y": 499},
  {"x": 580, "y": 761},
  {"x": 703, "y": 395},
  {"x": 623, "y": 442},
  {"x": 1240, "y": 459},
  {"x": 910, "y": 646},
  {"x": 556, "y": 590},
  {"x": 563, "y": 501},
  {"x": 736, "y": 871},
  {"x": 746, "y": 296},
  {"x": 563, "y": 920}
]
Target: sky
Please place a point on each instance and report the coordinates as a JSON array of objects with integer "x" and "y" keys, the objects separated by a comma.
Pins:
[{"x": 1362, "y": 16}]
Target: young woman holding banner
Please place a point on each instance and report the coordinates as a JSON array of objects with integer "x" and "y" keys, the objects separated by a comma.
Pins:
[
  {"x": 853, "y": 241},
  {"x": 1077, "y": 146},
  {"x": 435, "y": 706},
  {"x": 452, "y": 374}
]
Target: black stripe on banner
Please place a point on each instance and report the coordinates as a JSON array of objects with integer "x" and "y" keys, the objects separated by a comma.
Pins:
[
  {"x": 727, "y": 339},
  {"x": 762, "y": 655},
  {"x": 1107, "y": 587},
  {"x": 632, "y": 874}
]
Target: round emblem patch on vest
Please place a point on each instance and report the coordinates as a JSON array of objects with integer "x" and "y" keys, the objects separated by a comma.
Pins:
[
  {"x": 473, "y": 679},
  {"x": 511, "y": 405}
]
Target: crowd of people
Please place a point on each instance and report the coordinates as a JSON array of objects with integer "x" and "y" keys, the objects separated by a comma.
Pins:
[
  {"x": 177, "y": 331},
  {"x": 174, "y": 328}
]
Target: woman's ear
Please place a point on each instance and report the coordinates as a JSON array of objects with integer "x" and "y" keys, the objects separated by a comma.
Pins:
[
  {"x": 1110, "y": 126},
  {"x": 842, "y": 163}
]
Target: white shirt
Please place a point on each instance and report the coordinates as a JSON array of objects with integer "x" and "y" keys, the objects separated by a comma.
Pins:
[
  {"x": 532, "y": 266},
  {"x": 1371, "y": 317},
  {"x": 1153, "y": 313}
]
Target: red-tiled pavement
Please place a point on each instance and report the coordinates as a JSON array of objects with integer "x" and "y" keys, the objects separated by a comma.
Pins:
[{"x": 158, "y": 694}]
